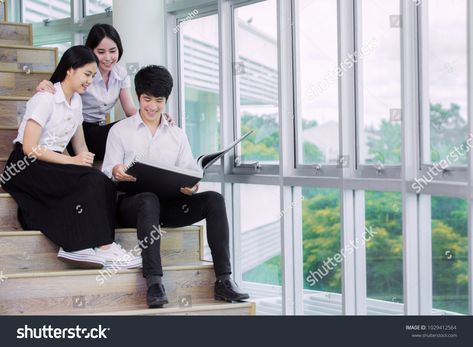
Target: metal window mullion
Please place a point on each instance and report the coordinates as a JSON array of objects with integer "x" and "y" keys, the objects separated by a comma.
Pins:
[
  {"x": 347, "y": 222},
  {"x": 77, "y": 10},
  {"x": 286, "y": 162},
  {"x": 470, "y": 157},
  {"x": 77, "y": 16},
  {"x": 419, "y": 33},
  {"x": 232, "y": 60},
  {"x": 360, "y": 252},
  {"x": 424, "y": 97},
  {"x": 346, "y": 45},
  {"x": 358, "y": 83},
  {"x": 298, "y": 257},
  {"x": 15, "y": 11},
  {"x": 174, "y": 64},
  {"x": 231, "y": 192},
  {"x": 412, "y": 261},
  {"x": 181, "y": 107},
  {"x": 296, "y": 31},
  {"x": 425, "y": 255}
]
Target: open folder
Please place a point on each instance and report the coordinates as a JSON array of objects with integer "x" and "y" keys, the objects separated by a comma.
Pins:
[{"x": 165, "y": 180}]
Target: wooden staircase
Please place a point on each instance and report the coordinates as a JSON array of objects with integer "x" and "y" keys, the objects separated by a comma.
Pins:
[{"x": 32, "y": 280}]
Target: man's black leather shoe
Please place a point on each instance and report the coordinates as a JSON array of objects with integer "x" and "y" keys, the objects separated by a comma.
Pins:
[
  {"x": 156, "y": 296},
  {"x": 227, "y": 290}
]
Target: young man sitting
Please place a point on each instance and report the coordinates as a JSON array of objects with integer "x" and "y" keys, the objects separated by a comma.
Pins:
[{"x": 148, "y": 135}]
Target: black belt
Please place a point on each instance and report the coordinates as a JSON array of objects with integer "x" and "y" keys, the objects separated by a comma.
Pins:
[{"x": 99, "y": 123}]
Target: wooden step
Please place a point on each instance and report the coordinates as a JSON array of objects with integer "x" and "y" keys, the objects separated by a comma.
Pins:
[
  {"x": 8, "y": 213},
  {"x": 3, "y": 162},
  {"x": 14, "y": 83},
  {"x": 83, "y": 291},
  {"x": 16, "y": 34},
  {"x": 23, "y": 251},
  {"x": 12, "y": 110},
  {"x": 3, "y": 11},
  {"x": 9, "y": 222},
  {"x": 24, "y": 58},
  {"x": 7, "y": 135},
  {"x": 209, "y": 309}
]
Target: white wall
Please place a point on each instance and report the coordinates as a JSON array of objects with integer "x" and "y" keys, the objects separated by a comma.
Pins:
[{"x": 141, "y": 25}]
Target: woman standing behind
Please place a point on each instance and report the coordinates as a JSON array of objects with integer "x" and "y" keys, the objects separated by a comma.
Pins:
[
  {"x": 64, "y": 197},
  {"x": 110, "y": 84}
]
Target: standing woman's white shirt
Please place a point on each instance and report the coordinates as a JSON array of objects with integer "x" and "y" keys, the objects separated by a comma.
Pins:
[{"x": 99, "y": 98}]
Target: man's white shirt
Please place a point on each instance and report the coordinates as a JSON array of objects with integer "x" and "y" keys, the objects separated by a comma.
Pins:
[{"x": 131, "y": 138}]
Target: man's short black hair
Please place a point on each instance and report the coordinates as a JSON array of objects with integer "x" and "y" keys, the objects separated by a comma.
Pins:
[{"x": 153, "y": 80}]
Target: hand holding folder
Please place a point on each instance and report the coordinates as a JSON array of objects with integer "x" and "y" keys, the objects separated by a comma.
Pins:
[{"x": 165, "y": 180}]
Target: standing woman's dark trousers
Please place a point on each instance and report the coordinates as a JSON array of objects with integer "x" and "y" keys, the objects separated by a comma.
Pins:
[
  {"x": 74, "y": 206},
  {"x": 95, "y": 138},
  {"x": 146, "y": 212}
]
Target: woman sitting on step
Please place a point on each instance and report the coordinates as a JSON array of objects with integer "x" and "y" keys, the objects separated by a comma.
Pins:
[
  {"x": 109, "y": 84},
  {"x": 64, "y": 197}
]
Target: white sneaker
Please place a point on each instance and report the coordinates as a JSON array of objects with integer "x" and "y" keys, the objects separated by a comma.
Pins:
[
  {"x": 116, "y": 257},
  {"x": 85, "y": 258}
]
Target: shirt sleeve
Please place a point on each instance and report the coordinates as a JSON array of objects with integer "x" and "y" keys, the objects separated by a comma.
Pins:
[
  {"x": 185, "y": 158},
  {"x": 126, "y": 83},
  {"x": 39, "y": 108},
  {"x": 114, "y": 152},
  {"x": 124, "y": 77}
]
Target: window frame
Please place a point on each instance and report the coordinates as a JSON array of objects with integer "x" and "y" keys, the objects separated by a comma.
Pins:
[
  {"x": 255, "y": 167},
  {"x": 374, "y": 171},
  {"x": 352, "y": 180},
  {"x": 453, "y": 173},
  {"x": 214, "y": 173},
  {"x": 68, "y": 29},
  {"x": 313, "y": 169}
]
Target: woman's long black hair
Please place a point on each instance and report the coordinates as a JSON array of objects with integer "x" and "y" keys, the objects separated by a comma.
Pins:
[{"x": 75, "y": 57}]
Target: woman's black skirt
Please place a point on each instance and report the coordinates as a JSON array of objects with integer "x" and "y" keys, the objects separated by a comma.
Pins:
[{"x": 74, "y": 206}]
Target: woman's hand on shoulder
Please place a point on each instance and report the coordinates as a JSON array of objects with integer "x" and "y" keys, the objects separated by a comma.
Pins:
[
  {"x": 46, "y": 86},
  {"x": 169, "y": 119}
]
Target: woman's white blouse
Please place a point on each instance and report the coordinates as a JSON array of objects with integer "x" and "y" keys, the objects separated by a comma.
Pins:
[
  {"x": 99, "y": 99},
  {"x": 58, "y": 119}
]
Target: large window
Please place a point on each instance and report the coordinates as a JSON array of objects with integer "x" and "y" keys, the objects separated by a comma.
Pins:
[
  {"x": 255, "y": 70},
  {"x": 317, "y": 78},
  {"x": 445, "y": 82},
  {"x": 391, "y": 70},
  {"x": 321, "y": 250},
  {"x": 97, "y": 6},
  {"x": 54, "y": 24},
  {"x": 260, "y": 246},
  {"x": 383, "y": 243},
  {"x": 199, "y": 74},
  {"x": 379, "y": 82},
  {"x": 449, "y": 254},
  {"x": 35, "y": 11}
]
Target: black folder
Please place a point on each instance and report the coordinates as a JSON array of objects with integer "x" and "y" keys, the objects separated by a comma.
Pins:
[{"x": 165, "y": 180}]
